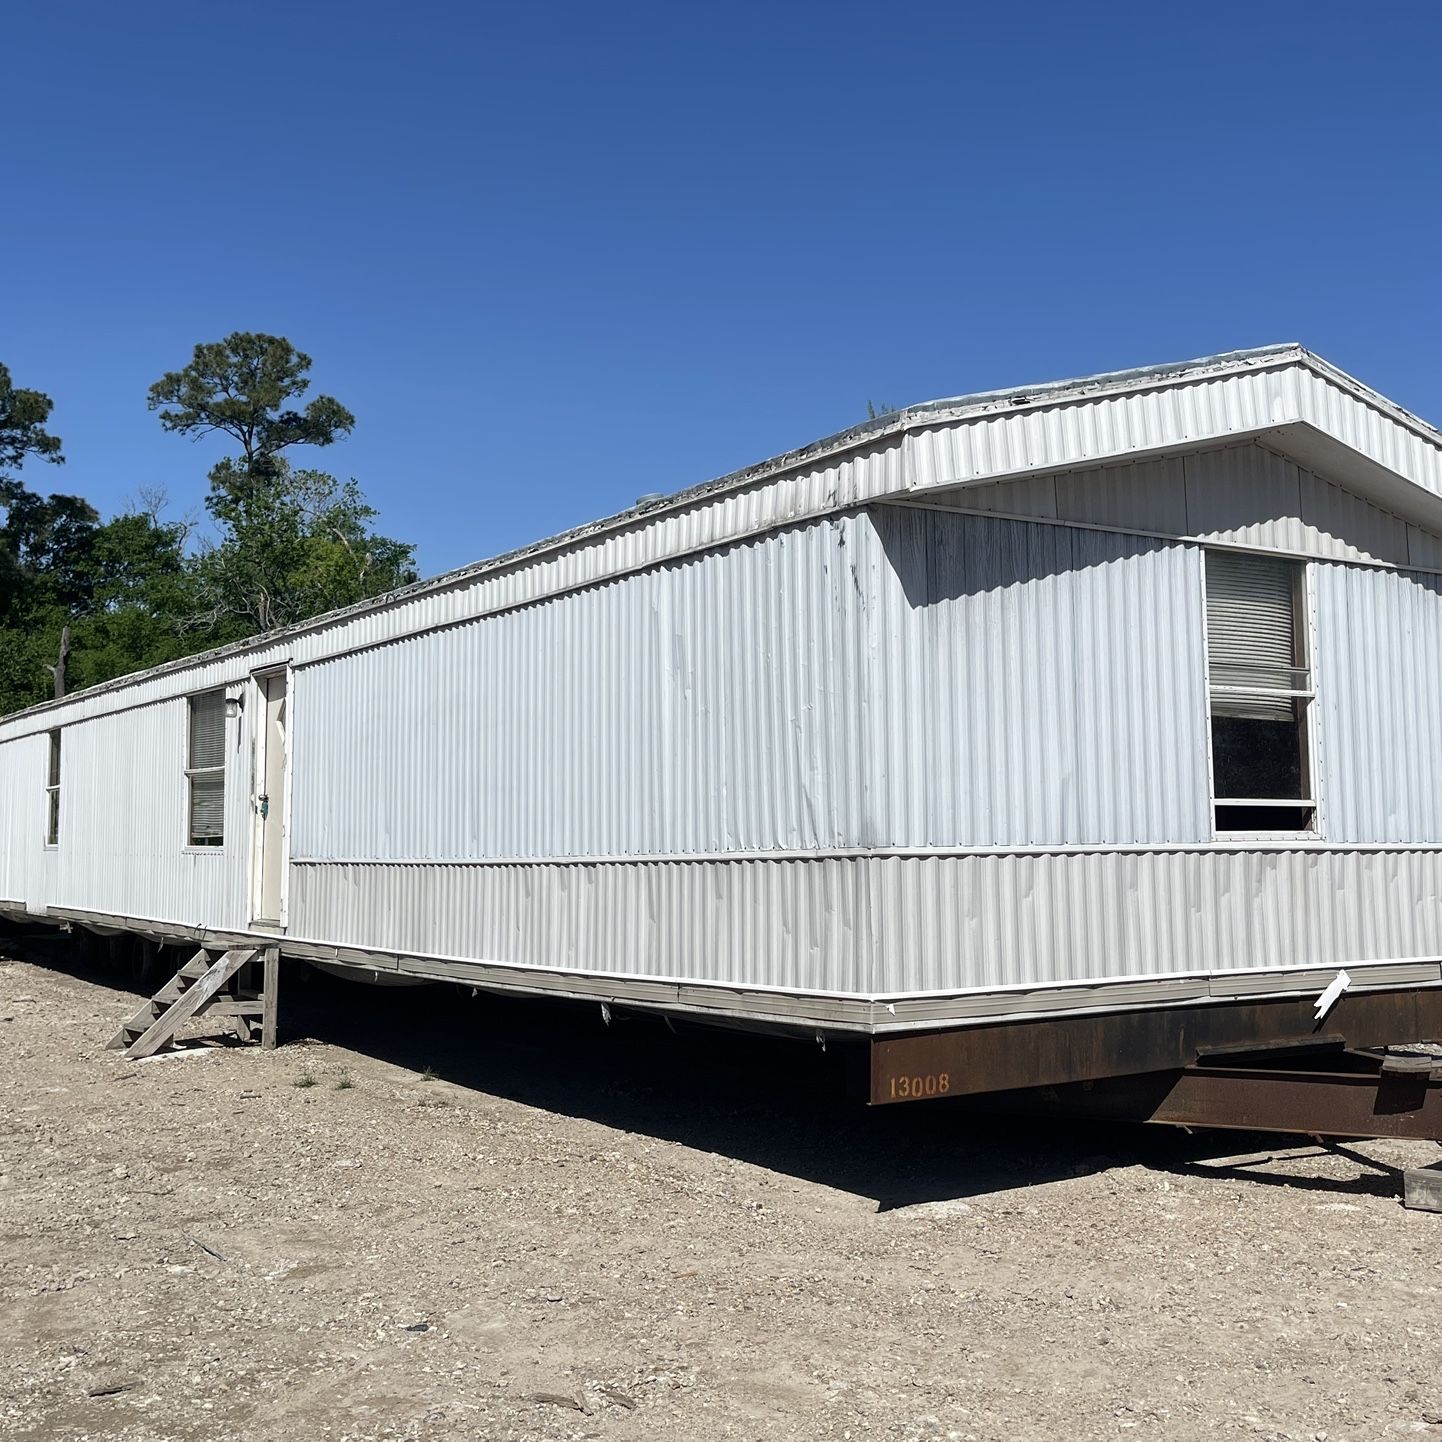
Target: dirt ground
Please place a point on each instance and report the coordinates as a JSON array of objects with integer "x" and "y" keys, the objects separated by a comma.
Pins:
[{"x": 436, "y": 1216}]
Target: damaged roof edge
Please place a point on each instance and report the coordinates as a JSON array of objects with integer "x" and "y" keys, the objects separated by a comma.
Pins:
[{"x": 1008, "y": 398}]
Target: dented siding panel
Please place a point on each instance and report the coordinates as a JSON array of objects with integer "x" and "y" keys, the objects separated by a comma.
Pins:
[
  {"x": 894, "y": 678},
  {"x": 705, "y": 706}
]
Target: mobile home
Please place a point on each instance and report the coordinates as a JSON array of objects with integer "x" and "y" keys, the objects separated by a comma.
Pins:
[{"x": 1033, "y": 736}]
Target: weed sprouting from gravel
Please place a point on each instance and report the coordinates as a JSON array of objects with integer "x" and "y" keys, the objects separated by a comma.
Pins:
[
  {"x": 343, "y": 1082},
  {"x": 429, "y": 1074},
  {"x": 305, "y": 1079}
]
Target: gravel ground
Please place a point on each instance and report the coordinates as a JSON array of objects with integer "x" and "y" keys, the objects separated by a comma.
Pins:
[{"x": 437, "y": 1216}]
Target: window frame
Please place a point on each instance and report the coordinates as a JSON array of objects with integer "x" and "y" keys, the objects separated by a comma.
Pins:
[
  {"x": 1304, "y": 699},
  {"x": 54, "y": 762},
  {"x": 194, "y": 773}
]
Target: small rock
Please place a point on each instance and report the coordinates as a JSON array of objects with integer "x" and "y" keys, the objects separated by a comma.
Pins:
[{"x": 559, "y": 1399}]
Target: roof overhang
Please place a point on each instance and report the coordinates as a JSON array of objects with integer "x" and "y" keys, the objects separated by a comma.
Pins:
[{"x": 1284, "y": 396}]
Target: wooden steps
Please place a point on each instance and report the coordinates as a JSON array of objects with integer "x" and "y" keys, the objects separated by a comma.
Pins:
[{"x": 238, "y": 986}]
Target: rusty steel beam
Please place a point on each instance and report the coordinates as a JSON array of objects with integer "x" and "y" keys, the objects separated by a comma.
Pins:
[
  {"x": 1262, "y": 1098},
  {"x": 963, "y": 1061}
]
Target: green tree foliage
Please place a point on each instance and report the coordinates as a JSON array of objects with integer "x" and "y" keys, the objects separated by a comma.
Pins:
[
  {"x": 134, "y": 591},
  {"x": 247, "y": 387},
  {"x": 23, "y": 414},
  {"x": 292, "y": 542},
  {"x": 45, "y": 541},
  {"x": 38, "y": 547},
  {"x": 142, "y": 598},
  {"x": 122, "y": 587},
  {"x": 300, "y": 545},
  {"x": 22, "y": 425}
]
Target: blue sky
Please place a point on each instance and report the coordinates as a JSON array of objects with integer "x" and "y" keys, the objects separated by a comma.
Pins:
[{"x": 555, "y": 257}]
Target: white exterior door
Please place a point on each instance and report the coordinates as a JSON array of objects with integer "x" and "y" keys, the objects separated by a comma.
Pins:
[{"x": 270, "y": 802}]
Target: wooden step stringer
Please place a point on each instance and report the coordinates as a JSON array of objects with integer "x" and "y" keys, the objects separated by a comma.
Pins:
[{"x": 208, "y": 984}]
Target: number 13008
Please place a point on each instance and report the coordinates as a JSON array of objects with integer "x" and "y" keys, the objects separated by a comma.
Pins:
[{"x": 930, "y": 1084}]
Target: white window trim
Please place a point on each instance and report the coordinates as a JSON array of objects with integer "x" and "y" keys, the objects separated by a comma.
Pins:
[
  {"x": 1304, "y": 621},
  {"x": 193, "y": 773},
  {"x": 53, "y": 748}
]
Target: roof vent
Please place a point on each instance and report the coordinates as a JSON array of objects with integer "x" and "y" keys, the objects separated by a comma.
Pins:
[{"x": 650, "y": 498}]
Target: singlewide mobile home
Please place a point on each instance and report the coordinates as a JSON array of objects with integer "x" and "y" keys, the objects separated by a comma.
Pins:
[{"x": 1034, "y": 736}]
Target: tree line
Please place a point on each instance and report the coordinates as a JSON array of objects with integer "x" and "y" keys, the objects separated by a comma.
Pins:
[{"x": 84, "y": 599}]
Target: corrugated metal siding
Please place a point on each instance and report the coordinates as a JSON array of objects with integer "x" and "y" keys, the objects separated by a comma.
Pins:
[
  {"x": 705, "y": 706},
  {"x": 1244, "y": 495},
  {"x": 1368, "y": 428},
  {"x": 894, "y": 679},
  {"x": 123, "y": 819},
  {"x": 1148, "y": 495},
  {"x": 1068, "y": 435},
  {"x": 1423, "y": 548},
  {"x": 791, "y": 924},
  {"x": 1034, "y": 685},
  {"x": 712, "y": 521},
  {"x": 1379, "y": 681},
  {"x": 893, "y": 925},
  {"x": 1000, "y": 442},
  {"x": 23, "y": 765},
  {"x": 985, "y": 921},
  {"x": 1249, "y": 495}
]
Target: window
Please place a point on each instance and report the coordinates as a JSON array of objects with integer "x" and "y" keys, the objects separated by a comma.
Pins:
[
  {"x": 1261, "y": 694},
  {"x": 52, "y": 793},
  {"x": 205, "y": 769}
]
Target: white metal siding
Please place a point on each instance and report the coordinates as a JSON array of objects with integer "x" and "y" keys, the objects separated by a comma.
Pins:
[
  {"x": 786, "y": 923},
  {"x": 705, "y": 706},
  {"x": 1064, "y": 435},
  {"x": 23, "y": 769},
  {"x": 1071, "y": 430},
  {"x": 123, "y": 818},
  {"x": 1244, "y": 495},
  {"x": 1034, "y": 685},
  {"x": 893, "y": 679},
  {"x": 978, "y": 921},
  {"x": 897, "y": 926},
  {"x": 1379, "y": 682},
  {"x": 649, "y": 541}
]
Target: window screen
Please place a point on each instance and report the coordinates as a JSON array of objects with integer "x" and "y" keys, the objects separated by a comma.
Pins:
[
  {"x": 205, "y": 769},
  {"x": 52, "y": 792},
  {"x": 1261, "y": 690}
]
